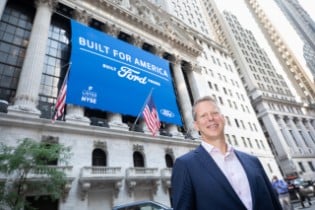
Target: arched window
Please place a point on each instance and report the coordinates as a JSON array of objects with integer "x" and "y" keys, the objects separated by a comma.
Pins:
[
  {"x": 169, "y": 161},
  {"x": 98, "y": 157},
  {"x": 138, "y": 159}
]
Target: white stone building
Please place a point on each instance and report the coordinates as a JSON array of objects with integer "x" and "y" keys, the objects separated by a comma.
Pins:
[{"x": 111, "y": 164}]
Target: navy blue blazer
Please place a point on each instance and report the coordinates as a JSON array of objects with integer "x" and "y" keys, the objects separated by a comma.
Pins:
[{"x": 199, "y": 184}]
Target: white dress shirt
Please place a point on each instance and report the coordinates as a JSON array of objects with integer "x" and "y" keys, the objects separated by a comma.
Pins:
[{"x": 233, "y": 171}]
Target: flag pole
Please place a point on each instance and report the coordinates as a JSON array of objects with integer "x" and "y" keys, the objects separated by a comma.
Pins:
[
  {"x": 66, "y": 78},
  {"x": 139, "y": 114}
]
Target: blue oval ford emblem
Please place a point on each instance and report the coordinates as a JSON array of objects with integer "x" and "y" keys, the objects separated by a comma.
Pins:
[{"x": 167, "y": 113}]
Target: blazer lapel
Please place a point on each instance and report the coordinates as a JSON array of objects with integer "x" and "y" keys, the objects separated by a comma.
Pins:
[
  {"x": 249, "y": 172},
  {"x": 216, "y": 172}
]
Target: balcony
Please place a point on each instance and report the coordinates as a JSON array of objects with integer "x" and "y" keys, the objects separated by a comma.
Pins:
[
  {"x": 140, "y": 177},
  {"x": 100, "y": 177},
  {"x": 40, "y": 174}
]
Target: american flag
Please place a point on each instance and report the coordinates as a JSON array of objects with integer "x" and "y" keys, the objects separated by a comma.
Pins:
[
  {"x": 61, "y": 100},
  {"x": 151, "y": 116}
]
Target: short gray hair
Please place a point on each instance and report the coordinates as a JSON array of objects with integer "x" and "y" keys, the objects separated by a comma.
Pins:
[{"x": 202, "y": 99}]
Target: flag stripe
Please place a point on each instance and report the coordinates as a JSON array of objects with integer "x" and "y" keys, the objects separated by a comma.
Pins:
[
  {"x": 151, "y": 116},
  {"x": 61, "y": 100}
]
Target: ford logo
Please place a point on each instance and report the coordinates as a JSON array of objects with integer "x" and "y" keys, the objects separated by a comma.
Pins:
[{"x": 167, "y": 113}]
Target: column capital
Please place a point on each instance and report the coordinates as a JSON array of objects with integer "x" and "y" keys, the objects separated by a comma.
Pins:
[
  {"x": 51, "y": 3},
  {"x": 176, "y": 59},
  {"x": 112, "y": 30},
  {"x": 196, "y": 67},
  {"x": 82, "y": 16},
  {"x": 296, "y": 119},
  {"x": 279, "y": 117},
  {"x": 159, "y": 51},
  {"x": 287, "y": 118},
  {"x": 137, "y": 41}
]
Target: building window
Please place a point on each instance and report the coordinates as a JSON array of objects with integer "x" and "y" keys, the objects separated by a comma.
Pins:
[
  {"x": 235, "y": 140},
  {"x": 169, "y": 161},
  {"x": 236, "y": 123},
  {"x": 293, "y": 137},
  {"x": 138, "y": 160},
  {"x": 244, "y": 142},
  {"x": 257, "y": 143},
  {"x": 301, "y": 167},
  {"x": 270, "y": 168},
  {"x": 98, "y": 157},
  {"x": 221, "y": 100},
  {"x": 228, "y": 138},
  {"x": 249, "y": 142},
  {"x": 309, "y": 133},
  {"x": 15, "y": 30},
  {"x": 262, "y": 144},
  {"x": 48, "y": 143},
  {"x": 250, "y": 126},
  {"x": 43, "y": 202},
  {"x": 305, "y": 141},
  {"x": 56, "y": 64},
  {"x": 210, "y": 85},
  {"x": 311, "y": 165},
  {"x": 228, "y": 120}
]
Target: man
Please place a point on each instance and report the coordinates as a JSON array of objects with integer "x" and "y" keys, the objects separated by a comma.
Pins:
[
  {"x": 215, "y": 176},
  {"x": 283, "y": 192}
]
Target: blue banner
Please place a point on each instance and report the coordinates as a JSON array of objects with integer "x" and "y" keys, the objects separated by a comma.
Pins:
[{"x": 111, "y": 75}]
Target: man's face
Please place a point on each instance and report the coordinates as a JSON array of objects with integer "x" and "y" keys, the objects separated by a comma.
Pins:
[{"x": 209, "y": 121}]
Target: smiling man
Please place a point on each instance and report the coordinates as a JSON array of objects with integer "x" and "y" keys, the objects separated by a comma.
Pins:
[{"x": 215, "y": 175}]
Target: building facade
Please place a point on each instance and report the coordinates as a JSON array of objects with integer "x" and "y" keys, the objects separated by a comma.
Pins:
[
  {"x": 286, "y": 118},
  {"x": 112, "y": 163},
  {"x": 303, "y": 82},
  {"x": 304, "y": 26}
]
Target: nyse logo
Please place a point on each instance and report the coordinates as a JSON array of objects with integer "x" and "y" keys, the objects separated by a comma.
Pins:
[
  {"x": 167, "y": 113},
  {"x": 89, "y": 96}
]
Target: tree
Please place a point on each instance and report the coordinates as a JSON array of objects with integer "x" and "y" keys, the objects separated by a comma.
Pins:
[{"x": 31, "y": 167}]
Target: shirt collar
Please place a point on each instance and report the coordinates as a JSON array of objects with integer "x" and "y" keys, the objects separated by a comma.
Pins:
[{"x": 211, "y": 149}]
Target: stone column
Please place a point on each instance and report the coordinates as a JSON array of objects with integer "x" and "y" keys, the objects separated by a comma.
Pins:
[
  {"x": 312, "y": 131},
  {"x": 26, "y": 98},
  {"x": 173, "y": 130},
  {"x": 75, "y": 114},
  {"x": 169, "y": 128},
  {"x": 287, "y": 136},
  {"x": 138, "y": 41},
  {"x": 296, "y": 134},
  {"x": 306, "y": 137},
  {"x": 281, "y": 145},
  {"x": 114, "y": 119},
  {"x": 2, "y": 6},
  {"x": 284, "y": 143},
  {"x": 183, "y": 96},
  {"x": 196, "y": 81}
]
